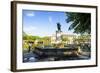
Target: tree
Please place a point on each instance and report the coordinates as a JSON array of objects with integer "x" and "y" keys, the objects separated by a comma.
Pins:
[
  {"x": 65, "y": 39},
  {"x": 80, "y": 22},
  {"x": 47, "y": 40},
  {"x": 25, "y": 36}
]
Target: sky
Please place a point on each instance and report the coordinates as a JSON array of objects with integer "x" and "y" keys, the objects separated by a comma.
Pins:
[{"x": 44, "y": 23}]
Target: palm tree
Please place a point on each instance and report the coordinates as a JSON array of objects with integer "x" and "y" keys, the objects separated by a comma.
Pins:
[{"x": 80, "y": 22}]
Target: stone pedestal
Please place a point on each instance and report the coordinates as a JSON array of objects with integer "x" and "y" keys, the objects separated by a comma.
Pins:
[{"x": 58, "y": 37}]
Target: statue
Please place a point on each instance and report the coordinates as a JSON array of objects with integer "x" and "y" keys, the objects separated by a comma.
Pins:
[
  {"x": 58, "y": 33},
  {"x": 58, "y": 26}
]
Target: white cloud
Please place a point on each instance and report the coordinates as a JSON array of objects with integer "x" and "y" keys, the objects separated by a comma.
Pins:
[
  {"x": 29, "y": 30},
  {"x": 30, "y": 14}
]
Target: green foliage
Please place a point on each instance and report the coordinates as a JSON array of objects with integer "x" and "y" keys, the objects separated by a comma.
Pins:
[
  {"x": 65, "y": 39},
  {"x": 41, "y": 41},
  {"x": 25, "y": 46},
  {"x": 46, "y": 40},
  {"x": 80, "y": 22},
  {"x": 83, "y": 39},
  {"x": 27, "y": 37}
]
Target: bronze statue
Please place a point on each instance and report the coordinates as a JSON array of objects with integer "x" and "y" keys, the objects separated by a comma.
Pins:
[{"x": 58, "y": 26}]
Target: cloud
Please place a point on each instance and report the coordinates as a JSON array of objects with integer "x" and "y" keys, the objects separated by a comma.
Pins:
[
  {"x": 29, "y": 29},
  {"x": 30, "y": 14}
]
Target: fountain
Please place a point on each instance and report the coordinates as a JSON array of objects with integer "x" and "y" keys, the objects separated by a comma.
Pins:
[
  {"x": 58, "y": 51},
  {"x": 54, "y": 53}
]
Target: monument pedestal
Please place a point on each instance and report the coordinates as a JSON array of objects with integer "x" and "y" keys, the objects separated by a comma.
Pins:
[{"x": 58, "y": 37}]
